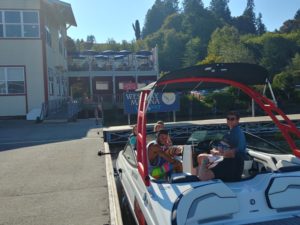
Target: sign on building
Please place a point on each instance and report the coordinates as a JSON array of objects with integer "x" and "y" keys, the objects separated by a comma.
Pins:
[{"x": 160, "y": 102}]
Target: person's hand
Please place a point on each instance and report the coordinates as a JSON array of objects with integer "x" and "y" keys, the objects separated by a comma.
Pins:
[{"x": 175, "y": 150}]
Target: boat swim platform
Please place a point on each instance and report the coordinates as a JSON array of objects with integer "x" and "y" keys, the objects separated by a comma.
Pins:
[{"x": 183, "y": 129}]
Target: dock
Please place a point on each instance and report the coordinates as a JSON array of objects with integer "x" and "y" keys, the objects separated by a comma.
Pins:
[{"x": 183, "y": 129}]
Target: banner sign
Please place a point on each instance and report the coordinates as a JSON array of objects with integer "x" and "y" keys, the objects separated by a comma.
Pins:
[{"x": 160, "y": 102}]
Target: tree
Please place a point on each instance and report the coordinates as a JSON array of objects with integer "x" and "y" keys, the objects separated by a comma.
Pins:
[
  {"x": 137, "y": 30},
  {"x": 297, "y": 15},
  {"x": 225, "y": 45},
  {"x": 246, "y": 23},
  {"x": 290, "y": 26},
  {"x": 198, "y": 21},
  {"x": 157, "y": 14},
  {"x": 192, "y": 52},
  {"x": 90, "y": 40},
  {"x": 276, "y": 53},
  {"x": 173, "y": 21},
  {"x": 220, "y": 9},
  {"x": 70, "y": 45},
  {"x": 285, "y": 82},
  {"x": 261, "y": 28},
  {"x": 171, "y": 53}
]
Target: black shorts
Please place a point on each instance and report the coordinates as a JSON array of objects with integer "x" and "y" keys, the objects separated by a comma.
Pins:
[{"x": 227, "y": 170}]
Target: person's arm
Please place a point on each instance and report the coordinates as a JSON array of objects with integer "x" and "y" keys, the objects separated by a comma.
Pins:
[
  {"x": 230, "y": 153},
  {"x": 154, "y": 150}
]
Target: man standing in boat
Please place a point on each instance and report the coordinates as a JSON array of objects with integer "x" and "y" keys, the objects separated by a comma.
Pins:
[
  {"x": 161, "y": 156},
  {"x": 231, "y": 167}
]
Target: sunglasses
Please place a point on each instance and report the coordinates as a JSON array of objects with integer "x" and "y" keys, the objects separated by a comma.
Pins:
[{"x": 231, "y": 118}]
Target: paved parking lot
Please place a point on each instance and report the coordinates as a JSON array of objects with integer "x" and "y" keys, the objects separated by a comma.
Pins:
[{"x": 50, "y": 174}]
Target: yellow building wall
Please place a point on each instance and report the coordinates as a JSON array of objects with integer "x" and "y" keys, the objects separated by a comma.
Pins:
[{"x": 27, "y": 53}]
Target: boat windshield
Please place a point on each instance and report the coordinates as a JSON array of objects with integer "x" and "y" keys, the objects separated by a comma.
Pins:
[{"x": 202, "y": 140}]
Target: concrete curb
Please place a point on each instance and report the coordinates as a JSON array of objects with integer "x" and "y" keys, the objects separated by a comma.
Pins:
[{"x": 114, "y": 205}]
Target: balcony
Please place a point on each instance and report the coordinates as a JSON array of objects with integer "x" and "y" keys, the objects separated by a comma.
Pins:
[{"x": 112, "y": 61}]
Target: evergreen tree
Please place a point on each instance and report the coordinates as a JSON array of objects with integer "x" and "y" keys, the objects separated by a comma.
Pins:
[
  {"x": 261, "y": 28},
  {"x": 70, "y": 45},
  {"x": 157, "y": 14},
  {"x": 192, "y": 52},
  {"x": 220, "y": 9},
  {"x": 137, "y": 30},
  {"x": 198, "y": 21},
  {"x": 276, "y": 53},
  {"x": 192, "y": 7},
  {"x": 246, "y": 23},
  {"x": 90, "y": 40},
  {"x": 297, "y": 15}
]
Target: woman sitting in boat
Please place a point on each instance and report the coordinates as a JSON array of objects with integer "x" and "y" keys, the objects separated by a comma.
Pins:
[
  {"x": 161, "y": 156},
  {"x": 231, "y": 167}
]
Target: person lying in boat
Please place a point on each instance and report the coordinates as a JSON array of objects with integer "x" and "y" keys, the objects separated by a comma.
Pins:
[
  {"x": 233, "y": 152},
  {"x": 162, "y": 157}
]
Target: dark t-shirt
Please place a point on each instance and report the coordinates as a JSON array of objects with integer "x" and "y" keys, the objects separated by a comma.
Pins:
[{"x": 231, "y": 169}]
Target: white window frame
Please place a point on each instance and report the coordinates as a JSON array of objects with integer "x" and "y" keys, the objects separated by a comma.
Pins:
[
  {"x": 6, "y": 80},
  {"x": 22, "y": 24}
]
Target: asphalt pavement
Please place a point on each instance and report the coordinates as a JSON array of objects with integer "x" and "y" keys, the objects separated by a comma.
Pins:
[{"x": 50, "y": 174}]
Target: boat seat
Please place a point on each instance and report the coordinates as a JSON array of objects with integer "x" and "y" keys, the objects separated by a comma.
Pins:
[
  {"x": 283, "y": 193},
  {"x": 264, "y": 159},
  {"x": 285, "y": 163},
  {"x": 183, "y": 178},
  {"x": 207, "y": 202}
]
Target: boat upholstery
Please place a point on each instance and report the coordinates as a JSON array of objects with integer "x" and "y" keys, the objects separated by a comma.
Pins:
[
  {"x": 205, "y": 202},
  {"x": 281, "y": 190}
]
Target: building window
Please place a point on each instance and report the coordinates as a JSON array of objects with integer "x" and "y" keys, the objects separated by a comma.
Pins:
[
  {"x": 58, "y": 84},
  {"x": 12, "y": 80},
  {"x": 48, "y": 36},
  {"x": 50, "y": 81},
  {"x": 102, "y": 85},
  {"x": 19, "y": 24},
  {"x": 60, "y": 43},
  {"x": 1, "y": 25}
]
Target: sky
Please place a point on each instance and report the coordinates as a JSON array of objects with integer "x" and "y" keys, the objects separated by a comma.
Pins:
[{"x": 113, "y": 19}]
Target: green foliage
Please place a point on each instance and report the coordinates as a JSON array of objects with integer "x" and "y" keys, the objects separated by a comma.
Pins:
[
  {"x": 70, "y": 45},
  {"x": 222, "y": 101},
  {"x": 221, "y": 10},
  {"x": 198, "y": 21},
  {"x": 276, "y": 53},
  {"x": 261, "y": 28},
  {"x": 193, "y": 107},
  {"x": 225, "y": 43},
  {"x": 170, "y": 57},
  {"x": 285, "y": 82},
  {"x": 157, "y": 14},
  {"x": 137, "y": 30},
  {"x": 192, "y": 52},
  {"x": 173, "y": 21}
]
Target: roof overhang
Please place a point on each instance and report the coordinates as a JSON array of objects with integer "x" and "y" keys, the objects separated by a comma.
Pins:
[{"x": 64, "y": 10}]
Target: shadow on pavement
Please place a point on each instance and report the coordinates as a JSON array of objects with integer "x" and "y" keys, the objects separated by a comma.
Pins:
[{"x": 16, "y": 134}]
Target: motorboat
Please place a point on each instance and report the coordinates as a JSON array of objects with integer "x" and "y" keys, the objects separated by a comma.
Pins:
[{"x": 269, "y": 190}]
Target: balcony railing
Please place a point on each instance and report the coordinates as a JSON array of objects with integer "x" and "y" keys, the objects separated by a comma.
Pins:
[{"x": 112, "y": 62}]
